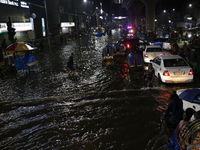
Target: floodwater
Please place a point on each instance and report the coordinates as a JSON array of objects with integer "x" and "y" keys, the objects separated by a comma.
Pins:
[{"x": 98, "y": 108}]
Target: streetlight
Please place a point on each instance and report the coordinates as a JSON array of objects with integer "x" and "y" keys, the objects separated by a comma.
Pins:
[
  {"x": 190, "y": 5},
  {"x": 174, "y": 9},
  {"x": 164, "y": 11},
  {"x": 85, "y": 1}
]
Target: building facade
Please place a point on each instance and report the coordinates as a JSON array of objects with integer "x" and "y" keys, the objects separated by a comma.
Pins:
[{"x": 19, "y": 16}]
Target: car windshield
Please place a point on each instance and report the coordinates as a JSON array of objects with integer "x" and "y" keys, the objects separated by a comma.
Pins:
[
  {"x": 154, "y": 50},
  {"x": 174, "y": 62}
]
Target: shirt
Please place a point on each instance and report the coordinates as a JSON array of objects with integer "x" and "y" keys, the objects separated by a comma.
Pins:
[
  {"x": 150, "y": 74},
  {"x": 70, "y": 62},
  {"x": 175, "y": 106}
]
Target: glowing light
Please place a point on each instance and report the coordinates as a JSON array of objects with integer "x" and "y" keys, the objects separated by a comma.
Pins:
[
  {"x": 129, "y": 27},
  {"x": 166, "y": 73},
  {"x": 191, "y": 72},
  {"x": 101, "y": 11},
  {"x": 164, "y": 11},
  {"x": 131, "y": 31}
]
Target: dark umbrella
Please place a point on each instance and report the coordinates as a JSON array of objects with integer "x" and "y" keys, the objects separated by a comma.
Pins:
[{"x": 190, "y": 95}]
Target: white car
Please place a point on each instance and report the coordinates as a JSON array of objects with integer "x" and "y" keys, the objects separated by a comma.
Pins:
[
  {"x": 190, "y": 98},
  {"x": 167, "y": 46},
  {"x": 151, "y": 52},
  {"x": 172, "y": 69}
]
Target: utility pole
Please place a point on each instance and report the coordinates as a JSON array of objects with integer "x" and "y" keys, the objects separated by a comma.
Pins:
[
  {"x": 47, "y": 24},
  {"x": 11, "y": 31}
]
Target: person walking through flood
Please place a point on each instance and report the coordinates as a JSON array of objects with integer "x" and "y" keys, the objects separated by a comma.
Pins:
[
  {"x": 175, "y": 107},
  {"x": 150, "y": 75},
  {"x": 70, "y": 64},
  {"x": 186, "y": 50}
]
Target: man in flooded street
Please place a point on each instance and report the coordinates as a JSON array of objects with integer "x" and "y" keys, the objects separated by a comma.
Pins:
[
  {"x": 70, "y": 64},
  {"x": 150, "y": 76},
  {"x": 175, "y": 107}
]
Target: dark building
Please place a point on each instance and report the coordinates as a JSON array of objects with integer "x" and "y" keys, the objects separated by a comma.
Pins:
[{"x": 19, "y": 16}]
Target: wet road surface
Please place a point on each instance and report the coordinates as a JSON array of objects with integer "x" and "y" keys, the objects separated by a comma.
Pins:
[{"x": 98, "y": 108}]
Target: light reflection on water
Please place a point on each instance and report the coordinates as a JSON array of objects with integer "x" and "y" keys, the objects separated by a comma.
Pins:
[{"x": 101, "y": 108}]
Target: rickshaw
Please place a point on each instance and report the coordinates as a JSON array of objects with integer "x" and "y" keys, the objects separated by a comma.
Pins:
[
  {"x": 107, "y": 55},
  {"x": 118, "y": 52}
]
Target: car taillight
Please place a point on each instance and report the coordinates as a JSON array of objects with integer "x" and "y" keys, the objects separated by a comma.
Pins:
[
  {"x": 128, "y": 45},
  {"x": 191, "y": 72},
  {"x": 145, "y": 55},
  {"x": 163, "y": 54},
  {"x": 170, "y": 45},
  {"x": 152, "y": 44},
  {"x": 166, "y": 73}
]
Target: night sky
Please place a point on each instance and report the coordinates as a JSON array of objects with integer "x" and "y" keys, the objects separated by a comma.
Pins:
[{"x": 162, "y": 4}]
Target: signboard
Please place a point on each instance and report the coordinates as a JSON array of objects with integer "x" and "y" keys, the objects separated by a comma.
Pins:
[
  {"x": 67, "y": 24},
  {"x": 10, "y": 2},
  {"x": 24, "y": 4},
  {"x": 22, "y": 26},
  {"x": 3, "y": 27},
  {"x": 15, "y": 3},
  {"x": 25, "y": 26}
]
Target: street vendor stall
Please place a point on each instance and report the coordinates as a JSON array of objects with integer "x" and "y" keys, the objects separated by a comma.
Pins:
[{"x": 20, "y": 56}]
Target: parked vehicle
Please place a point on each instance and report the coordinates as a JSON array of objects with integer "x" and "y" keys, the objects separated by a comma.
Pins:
[
  {"x": 150, "y": 53},
  {"x": 190, "y": 98},
  {"x": 163, "y": 42},
  {"x": 172, "y": 69},
  {"x": 131, "y": 44},
  {"x": 107, "y": 55}
]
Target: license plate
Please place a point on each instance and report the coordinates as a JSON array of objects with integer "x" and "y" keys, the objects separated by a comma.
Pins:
[
  {"x": 177, "y": 73},
  {"x": 154, "y": 55}
]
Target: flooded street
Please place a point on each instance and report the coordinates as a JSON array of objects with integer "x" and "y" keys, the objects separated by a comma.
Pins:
[{"x": 98, "y": 108}]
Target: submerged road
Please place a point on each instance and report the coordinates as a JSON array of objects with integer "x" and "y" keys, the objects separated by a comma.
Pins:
[{"x": 99, "y": 108}]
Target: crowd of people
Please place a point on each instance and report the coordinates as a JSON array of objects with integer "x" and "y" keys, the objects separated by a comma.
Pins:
[{"x": 180, "y": 133}]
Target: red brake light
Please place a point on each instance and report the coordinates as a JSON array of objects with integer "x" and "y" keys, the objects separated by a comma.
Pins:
[
  {"x": 128, "y": 45},
  {"x": 170, "y": 45},
  {"x": 191, "y": 72},
  {"x": 166, "y": 73},
  {"x": 145, "y": 55},
  {"x": 163, "y": 54}
]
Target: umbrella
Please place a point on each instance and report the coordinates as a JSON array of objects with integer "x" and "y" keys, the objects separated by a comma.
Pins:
[
  {"x": 189, "y": 94},
  {"x": 20, "y": 47}
]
